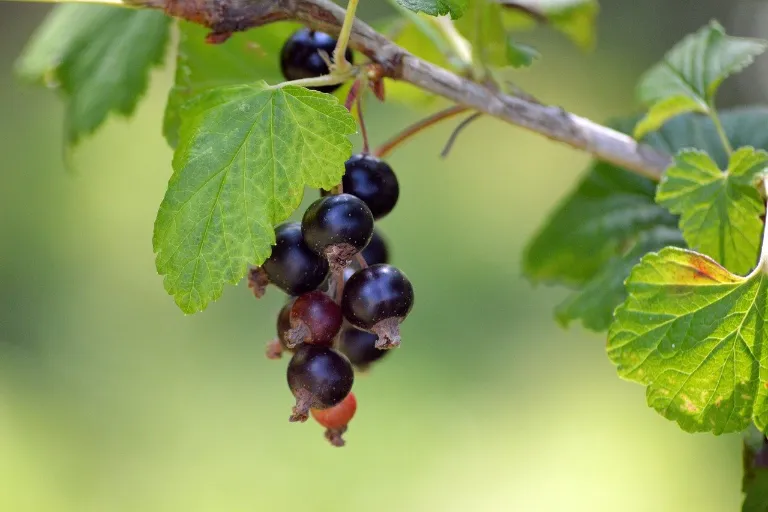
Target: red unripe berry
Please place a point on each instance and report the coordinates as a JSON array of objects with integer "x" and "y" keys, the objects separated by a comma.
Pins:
[{"x": 336, "y": 419}]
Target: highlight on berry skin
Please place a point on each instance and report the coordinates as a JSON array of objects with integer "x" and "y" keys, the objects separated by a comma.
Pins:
[
  {"x": 336, "y": 419},
  {"x": 378, "y": 299},
  {"x": 337, "y": 227},
  {"x": 293, "y": 266}
]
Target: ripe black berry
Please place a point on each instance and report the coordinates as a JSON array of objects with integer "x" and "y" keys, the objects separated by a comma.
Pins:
[
  {"x": 337, "y": 227},
  {"x": 292, "y": 266},
  {"x": 319, "y": 378},
  {"x": 360, "y": 347},
  {"x": 315, "y": 319},
  {"x": 378, "y": 299},
  {"x": 276, "y": 347},
  {"x": 376, "y": 251},
  {"x": 300, "y": 57},
  {"x": 373, "y": 181}
]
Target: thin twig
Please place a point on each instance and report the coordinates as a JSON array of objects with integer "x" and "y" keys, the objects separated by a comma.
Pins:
[
  {"x": 455, "y": 135},
  {"x": 386, "y": 148}
]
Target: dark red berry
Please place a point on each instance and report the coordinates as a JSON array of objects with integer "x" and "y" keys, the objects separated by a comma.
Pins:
[
  {"x": 293, "y": 266},
  {"x": 378, "y": 299},
  {"x": 276, "y": 347},
  {"x": 373, "y": 181},
  {"x": 376, "y": 251},
  {"x": 336, "y": 419},
  {"x": 300, "y": 57},
  {"x": 337, "y": 227},
  {"x": 359, "y": 347},
  {"x": 314, "y": 318},
  {"x": 319, "y": 378}
]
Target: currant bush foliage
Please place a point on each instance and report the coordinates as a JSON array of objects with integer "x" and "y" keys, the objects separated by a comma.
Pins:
[
  {"x": 720, "y": 209},
  {"x": 688, "y": 77},
  {"x": 99, "y": 57},
  {"x": 245, "y": 150}
]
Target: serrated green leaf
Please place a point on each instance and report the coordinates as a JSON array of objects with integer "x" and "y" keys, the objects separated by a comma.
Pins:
[
  {"x": 574, "y": 18},
  {"x": 245, "y": 154},
  {"x": 455, "y": 8},
  {"x": 99, "y": 57},
  {"x": 694, "y": 333},
  {"x": 720, "y": 211},
  {"x": 596, "y": 233},
  {"x": 521, "y": 55},
  {"x": 690, "y": 74},
  {"x": 244, "y": 58}
]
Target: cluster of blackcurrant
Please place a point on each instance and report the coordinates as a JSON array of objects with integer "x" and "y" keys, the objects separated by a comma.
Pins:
[{"x": 346, "y": 302}]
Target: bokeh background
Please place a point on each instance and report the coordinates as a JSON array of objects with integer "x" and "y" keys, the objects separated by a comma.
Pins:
[{"x": 111, "y": 400}]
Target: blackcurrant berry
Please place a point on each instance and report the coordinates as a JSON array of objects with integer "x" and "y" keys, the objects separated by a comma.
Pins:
[
  {"x": 292, "y": 266},
  {"x": 376, "y": 251},
  {"x": 319, "y": 378},
  {"x": 337, "y": 227},
  {"x": 300, "y": 57},
  {"x": 314, "y": 318},
  {"x": 359, "y": 347},
  {"x": 378, "y": 299},
  {"x": 373, "y": 181},
  {"x": 276, "y": 347},
  {"x": 336, "y": 419}
]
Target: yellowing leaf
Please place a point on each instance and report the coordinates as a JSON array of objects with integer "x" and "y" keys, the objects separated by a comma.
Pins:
[
  {"x": 695, "y": 335},
  {"x": 720, "y": 211}
]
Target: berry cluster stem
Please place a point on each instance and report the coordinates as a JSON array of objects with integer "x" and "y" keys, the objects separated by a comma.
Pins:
[{"x": 339, "y": 54}]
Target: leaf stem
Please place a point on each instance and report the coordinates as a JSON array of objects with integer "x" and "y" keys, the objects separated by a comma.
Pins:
[
  {"x": 361, "y": 121},
  {"x": 720, "y": 130},
  {"x": 341, "y": 65},
  {"x": 386, "y": 148},
  {"x": 762, "y": 265},
  {"x": 319, "y": 81}
]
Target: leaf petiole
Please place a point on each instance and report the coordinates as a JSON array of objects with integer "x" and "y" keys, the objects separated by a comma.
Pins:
[
  {"x": 341, "y": 65},
  {"x": 332, "y": 79},
  {"x": 720, "y": 130},
  {"x": 762, "y": 265}
]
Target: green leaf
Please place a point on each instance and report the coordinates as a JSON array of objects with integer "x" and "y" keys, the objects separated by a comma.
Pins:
[
  {"x": 595, "y": 302},
  {"x": 99, "y": 57},
  {"x": 756, "y": 492},
  {"x": 245, "y": 58},
  {"x": 521, "y": 55},
  {"x": 245, "y": 154},
  {"x": 720, "y": 211},
  {"x": 455, "y": 8},
  {"x": 574, "y": 18},
  {"x": 662, "y": 111},
  {"x": 690, "y": 74},
  {"x": 694, "y": 333},
  {"x": 602, "y": 229},
  {"x": 482, "y": 27}
]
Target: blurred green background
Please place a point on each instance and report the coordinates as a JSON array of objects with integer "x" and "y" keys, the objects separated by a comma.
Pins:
[{"x": 112, "y": 400}]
